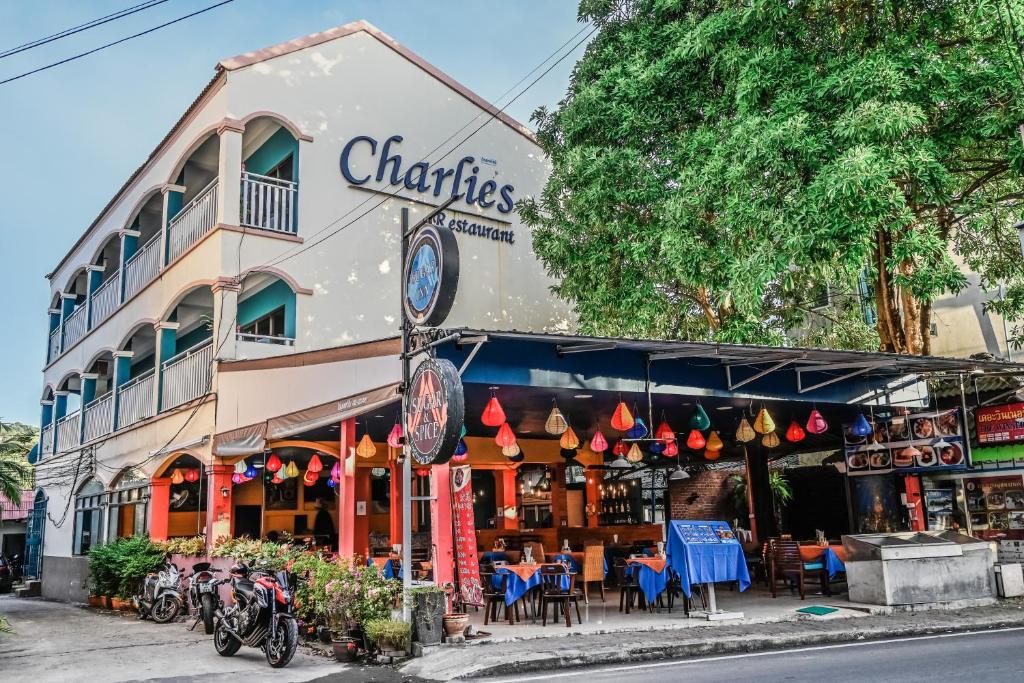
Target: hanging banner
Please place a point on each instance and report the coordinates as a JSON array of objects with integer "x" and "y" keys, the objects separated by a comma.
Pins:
[
  {"x": 436, "y": 409},
  {"x": 996, "y": 506},
  {"x": 467, "y": 566},
  {"x": 921, "y": 442},
  {"x": 1000, "y": 424}
]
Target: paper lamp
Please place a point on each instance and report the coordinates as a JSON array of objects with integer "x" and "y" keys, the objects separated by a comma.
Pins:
[
  {"x": 714, "y": 442},
  {"x": 638, "y": 430},
  {"x": 277, "y": 479},
  {"x": 460, "y": 458},
  {"x": 518, "y": 457},
  {"x": 745, "y": 433},
  {"x": 795, "y": 433},
  {"x": 309, "y": 478},
  {"x": 366, "y": 448},
  {"x": 671, "y": 449},
  {"x": 250, "y": 472},
  {"x": 177, "y": 477},
  {"x": 236, "y": 478},
  {"x": 860, "y": 426},
  {"x": 493, "y": 415},
  {"x": 555, "y": 424},
  {"x": 634, "y": 455},
  {"x": 461, "y": 448},
  {"x": 505, "y": 436},
  {"x": 331, "y": 483},
  {"x": 664, "y": 432},
  {"x": 622, "y": 419},
  {"x": 598, "y": 443},
  {"x": 711, "y": 454},
  {"x": 273, "y": 463},
  {"x": 315, "y": 464},
  {"x": 395, "y": 436},
  {"x": 569, "y": 439},
  {"x": 292, "y": 470},
  {"x": 511, "y": 451},
  {"x": 700, "y": 420},
  {"x": 336, "y": 471},
  {"x": 696, "y": 440},
  {"x": 770, "y": 440},
  {"x": 816, "y": 423},
  {"x": 657, "y": 447},
  {"x": 619, "y": 448},
  {"x": 191, "y": 475},
  {"x": 764, "y": 423},
  {"x": 240, "y": 467}
]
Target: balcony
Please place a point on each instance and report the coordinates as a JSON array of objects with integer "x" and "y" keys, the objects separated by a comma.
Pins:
[
  {"x": 269, "y": 203},
  {"x": 99, "y": 417},
  {"x": 54, "y": 348},
  {"x": 106, "y": 299},
  {"x": 46, "y": 439},
  {"x": 75, "y": 327},
  {"x": 135, "y": 400},
  {"x": 187, "y": 375},
  {"x": 68, "y": 432},
  {"x": 142, "y": 267},
  {"x": 193, "y": 221}
]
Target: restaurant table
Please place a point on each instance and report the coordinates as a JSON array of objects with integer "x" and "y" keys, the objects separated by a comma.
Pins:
[
  {"x": 707, "y": 552},
  {"x": 575, "y": 560},
  {"x": 831, "y": 557},
  {"x": 521, "y": 579},
  {"x": 386, "y": 565},
  {"x": 652, "y": 575},
  {"x": 495, "y": 556}
]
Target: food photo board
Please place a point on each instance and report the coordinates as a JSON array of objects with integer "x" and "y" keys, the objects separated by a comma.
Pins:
[{"x": 917, "y": 442}]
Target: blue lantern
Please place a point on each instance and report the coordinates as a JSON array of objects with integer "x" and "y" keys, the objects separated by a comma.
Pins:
[
  {"x": 332, "y": 483},
  {"x": 638, "y": 430},
  {"x": 250, "y": 472},
  {"x": 657, "y": 447},
  {"x": 461, "y": 449},
  {"x": 861, "y": 426}
]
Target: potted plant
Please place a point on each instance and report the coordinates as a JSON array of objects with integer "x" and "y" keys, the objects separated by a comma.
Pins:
[
  {"x": 391, "y": 636},
  {"x": 429, "y": 606},
  {"x": 455, "y": 623},
  {"x": 103, "y": 576}
]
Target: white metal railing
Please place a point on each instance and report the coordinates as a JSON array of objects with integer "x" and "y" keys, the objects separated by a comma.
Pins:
[
  {"x": 54, "y": 349},
  {"x": 135, "y": 400},
  {"x": 193, "y": 221},
  {"x": 68, "y": 431},
  {"x": 264, "y": 339},
  {"x": 186, "y": 376},
  {"x": 105, "y": 299},
  {"x": 98, "y": 416},
  {"x": 46, "y": 439},
  {"x": 75, "y": 327},
  {"x": 269, "y": 203},
  {"x": 142, "y": 267}
]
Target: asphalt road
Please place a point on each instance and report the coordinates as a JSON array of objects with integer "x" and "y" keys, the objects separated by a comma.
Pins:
[{"x": 983, "y": 657}]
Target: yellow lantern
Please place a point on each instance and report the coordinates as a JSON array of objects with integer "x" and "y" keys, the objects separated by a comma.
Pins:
[
  {"x": 366, "y": 447},
  {"x": 555, "y": 424},
  {"x": 764, "y": 422},
  {"x": 634, "y": 455},
  {"x": 291, "y": 470},
  {"x": 177, "y": 477},
  {"x": 714, "y": 442},
  {"x": 511, "y": 451},
  {"x": 745, "y": 433},
  {"x": 569, "y": 439},
  {"x": 770, "y": 440}
]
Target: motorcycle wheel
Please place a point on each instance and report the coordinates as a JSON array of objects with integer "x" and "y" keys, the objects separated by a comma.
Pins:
[
  {"x": 281, "y": 649},
  {"x": 165, "y": 609},
  {"x": 225, "y": 643},
  {"x": 207, "y": 608}
]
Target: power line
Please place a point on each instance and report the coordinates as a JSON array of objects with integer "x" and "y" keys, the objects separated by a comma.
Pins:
[
  {"x": 128, "y": 11},
  {"x": 116, "y": 42}
]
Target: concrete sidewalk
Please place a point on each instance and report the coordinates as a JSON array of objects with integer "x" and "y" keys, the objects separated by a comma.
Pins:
[{"x": 576, "y": 650}]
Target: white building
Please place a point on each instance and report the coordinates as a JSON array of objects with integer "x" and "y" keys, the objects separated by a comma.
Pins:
[{"x": 232, "y": 293}]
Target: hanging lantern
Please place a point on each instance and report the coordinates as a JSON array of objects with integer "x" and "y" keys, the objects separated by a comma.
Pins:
[
  {"x": 598, "y": 443},
  {"x": 816, "y": 423},
  {"x": 366, "y": 447},
  {"x": 315, "y": 465},
  {"x": 336, "y": 471},
  {"x": 638, "y": 430},
  {"x": 192, "y": 475},
  {"x": 236, "y": 478},
  {"x": 460, "y": 458},
  {"x": 395, "y": 436},
  {"x": 461, "y": 448},
  {"x": 715, "y": 442},
  {"x": 745, "y": 433},
  {"x": 422, "y": 471},
  {"x": 518, "y": 457},
  {"x": 569, "y": 439},
  {"x": 711, "y": 454},
  {"x": 331, "y": 483},
  {"x": 511, "y": 451},
  {"x": 700, "y": 420},
  {"x": 764, "y": 423},
  {"x": 671, "y": 449},
  {"x": 250, "y": 472},
  {"x": 770, "y": 440},
  {"x": 664, "y": 432},
  {"x": 860, "y": 426},
  {"x": 555, "y": 424},
  {"x": 696, "y": 440},
  {"x": 240, "y": 467},
  {"x": 292, "y": 470},
  {"x": 277, "y": 478},
  {"x": 795, "y": 433},
  {"x": 634, "y": 455},
  {"x": 505, "y": 436},
  {"x": 309, "y": 478},
  {"x": 657, "y": 447},
  {"x": 273, "y": 463},
  {"x": 622, "y": 419},
  {"x": 493, "y": 415},
  {"x": 620, "y": 448}
]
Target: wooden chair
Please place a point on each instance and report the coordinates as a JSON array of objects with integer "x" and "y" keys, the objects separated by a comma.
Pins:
[
  {"x": 494, "y": 597},
  {"x": 593, "y": 570},
  {"x": 552, "y": 593},
  {"x": 787, "y": 563},
  {"x": 629, "y": 589},
  {"x": 538, "y": 550}
]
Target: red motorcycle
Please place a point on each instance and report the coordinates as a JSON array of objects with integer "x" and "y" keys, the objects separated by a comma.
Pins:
[{"x": 262, "y": 616}]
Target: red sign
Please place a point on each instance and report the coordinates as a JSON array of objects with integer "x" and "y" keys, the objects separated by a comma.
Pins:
[
  {"x": 1000, "y": 424},
  {"x": 435, "y": 411},
  {"x": 466, "y": 564}
]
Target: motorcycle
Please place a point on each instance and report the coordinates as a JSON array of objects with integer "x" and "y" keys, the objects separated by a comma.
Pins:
[
  {"x": 161, "y": 595},
  {"x": 203, "y": 596},
  {"x": 262, "y": 616}
]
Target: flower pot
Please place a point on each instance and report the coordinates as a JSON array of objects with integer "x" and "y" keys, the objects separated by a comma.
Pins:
[
  {"x": 324, "y": 634},
  {"x": 390, "y": 648},
  {"x": 345, "y": 649},
  {"x": 122, "y": 605},
  {"x": 107, "y": 602},
  {"x": 455, "y": 624},
  {"x": 97, "y": 601}
]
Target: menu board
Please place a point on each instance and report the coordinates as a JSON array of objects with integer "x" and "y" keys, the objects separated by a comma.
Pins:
[
  {"x": 694, "y": 531},
  {"x": 466, "y": 564},
  {"x": 938, "y": 436},
  {"x": 996, "y": 506},
  {"x": 1000, "y": 424}
]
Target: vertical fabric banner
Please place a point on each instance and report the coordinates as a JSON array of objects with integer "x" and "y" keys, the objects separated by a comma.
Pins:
[{"x": 466, "y": 564}]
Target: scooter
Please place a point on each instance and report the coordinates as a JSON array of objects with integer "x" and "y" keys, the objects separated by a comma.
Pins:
[
  {"x": 262, "y": 616},
  {"x": 161, "y": 596},
  {"x": 203, "y": 596}
]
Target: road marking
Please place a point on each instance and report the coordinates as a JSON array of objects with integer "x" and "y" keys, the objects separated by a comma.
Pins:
[{"x": 765, "y": 653}]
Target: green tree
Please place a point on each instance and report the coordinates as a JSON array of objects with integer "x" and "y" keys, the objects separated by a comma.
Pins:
[
  {"x": 713, "y": 161},
  {"x": 16, "y": 440}
]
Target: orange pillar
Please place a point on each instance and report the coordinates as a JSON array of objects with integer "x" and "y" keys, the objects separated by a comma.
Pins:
[
  {"x": 159, "y": 507},
  {"x": 362, "y": 531},
  {"x": 505, "y": 492},
  {"x": 915, "y": 505},
  {"x": 396, "y": 502},
  {"x": 218, "y": 505},
  {"x": 593, "y": 491},
  {"x": 347, "y": 497},
  {"x": 441, "y": 524}
]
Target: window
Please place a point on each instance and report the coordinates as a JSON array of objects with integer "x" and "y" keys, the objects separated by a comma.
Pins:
[
  {"x": 128, "y": 506},
  {"x": 88, "y": 516},
  {"x": 283, "y": 171},
  {"x": 269, "y": 325}
]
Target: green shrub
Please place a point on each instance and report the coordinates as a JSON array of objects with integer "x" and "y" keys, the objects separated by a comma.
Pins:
[
  {"x": 103, "y": 571},
  {"x": 119, "y": 568},
  {"x": 395, "y": 632},
  {"x": 191, "y": 546}
]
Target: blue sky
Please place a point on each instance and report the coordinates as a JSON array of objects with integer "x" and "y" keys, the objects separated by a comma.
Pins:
[{"x": 73, "y": 134}]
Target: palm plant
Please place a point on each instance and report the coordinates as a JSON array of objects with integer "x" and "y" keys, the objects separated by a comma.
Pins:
[
  {"x": 781, "y": 491},
  {"x": 16, "y": 440}
]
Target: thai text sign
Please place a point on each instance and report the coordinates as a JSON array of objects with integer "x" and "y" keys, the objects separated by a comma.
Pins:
[
  {"x": 466, "y": 564},
  {"x": 1000, "y": 424}
]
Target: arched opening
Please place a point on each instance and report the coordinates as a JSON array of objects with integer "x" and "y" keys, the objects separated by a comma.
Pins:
[
  {"x": 67, "y": 413},
  {"x": 186, "y": 349},
  {"x": 186, "y": 506},
  {"x": 270, "y": 176},
  {"x": 128, "y": 506},
  {"x": 266, "y": 310},
  {"x": 192, "y": 205},
  {"x": 89, "y": 504},
  {"x": 135, "y": 375},
  {"x": 73, "y": 306}
]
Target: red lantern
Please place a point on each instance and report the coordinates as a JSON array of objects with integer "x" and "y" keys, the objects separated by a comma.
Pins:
[
  {"x": 795, "y": 433},
  {"x": 273, "y": 463},
  {"x": 191, "y": 475},
  {"x": 309, "y": 478},
  {"x": 598, "y": 443},
  {"x": 622, "y": 419},
  {"x": 696, "y": 440},
  {"x": 620, "y": 448},
  {"x": 395, "y": 436},
  {"x": 277, "y": 479},
  {"x": 816, "y": 423},
  {"x": 314, "y": 464},
  {"x": 493, "y": 415},
  {"x": 664, "y": 432},
  {"x": 671, "y": 449},
  {"x": 422, "y": 471},
  {"x": 505, "y": 437}
]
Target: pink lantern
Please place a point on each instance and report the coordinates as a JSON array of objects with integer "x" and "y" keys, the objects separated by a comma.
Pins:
[
  {"x": 598, "y": 443},
  {"x": 395, "y": 436},
  {"x": 336, "y": 471},
  {"x": 816, "y": 423}
]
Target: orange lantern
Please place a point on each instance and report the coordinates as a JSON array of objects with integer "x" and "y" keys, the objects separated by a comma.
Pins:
[
  {"x": 696, "y": 440},
  {"x": 622, "y": 419},
  {"x": 714, "y": 442},
  {"x": 712, "y": 455},
  {"x": 795, "y": 433},
  {"x": 634, "y": 455},
  {"x": 366, "y": 447},
  {"x": 505, "y": 437},
  {"x": 177, "y": 477},
  {"x": 273, "y": 463},
  {"x": 569, "y": 439},
  {"x": 598, "y": 443},
  {"x": 314, "y": 464},
  {"x": 494, "y": 414}
]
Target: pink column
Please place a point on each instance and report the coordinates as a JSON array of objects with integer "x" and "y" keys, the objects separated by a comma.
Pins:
[
  {"x": 347, "y": 498},
  {"x": 159, "y": 507},
  {"x": 396, "y": 502},
  {"x": 441, "y": 524},
  {"x": 218, "y": 515}
]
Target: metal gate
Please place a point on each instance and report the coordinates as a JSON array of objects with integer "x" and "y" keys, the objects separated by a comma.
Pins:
[{"x": 34, "y": 537}]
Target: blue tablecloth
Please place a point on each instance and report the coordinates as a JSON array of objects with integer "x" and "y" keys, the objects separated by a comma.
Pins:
[
  {"x": 652, "y": 583},
  {"x": 517, "y": 587},
  {"x": 574, "y": 566},
  {"x": 833, "y": 565},
  {"x": 494, "y": 556},
  {"x": 387, "y": 569},
  {"x": 706, "y": 562}
]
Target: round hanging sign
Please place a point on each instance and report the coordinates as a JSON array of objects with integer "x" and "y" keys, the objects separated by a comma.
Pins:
[
  {"x": 431, "y": 275},
  {"x": 435, "y": 412}
]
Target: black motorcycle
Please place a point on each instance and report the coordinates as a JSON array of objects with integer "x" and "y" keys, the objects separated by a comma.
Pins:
[
  {"x": 161, "y": 595},
  {"x": 203, "y": 596},
  {"x": 262, "y": 616}
]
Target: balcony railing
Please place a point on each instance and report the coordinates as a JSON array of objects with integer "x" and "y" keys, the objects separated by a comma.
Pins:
[
  {"x": 46, "y": 439},
  {"x": 264, "y": 339},
  {"x": 99, "y": 417},
  {"x": 193, "y": 221},
  {"x": 269, "y": 203},
  {"x": 135, "y": 400},
  {"x": 68, "y": 432},
  {"x": 142, "y": 267},
  {"x": 105, "y": 299},
  {"x": 75, "y": 327},
  {"x": 54, "y": 349},
  {"x": 186, "y": 376}
]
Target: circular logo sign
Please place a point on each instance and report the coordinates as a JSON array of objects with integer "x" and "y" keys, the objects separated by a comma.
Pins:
[
  {"x": 435, "y": 411},
  {"x": 431, "y": 275}
]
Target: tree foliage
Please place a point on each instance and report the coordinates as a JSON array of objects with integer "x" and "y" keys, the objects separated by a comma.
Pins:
[
  {"x": 713, "y": 161},
  {"x": 16, "y": 440}
]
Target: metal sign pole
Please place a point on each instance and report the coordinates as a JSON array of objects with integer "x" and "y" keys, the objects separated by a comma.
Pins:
[{"x": 406, "y": 455}]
